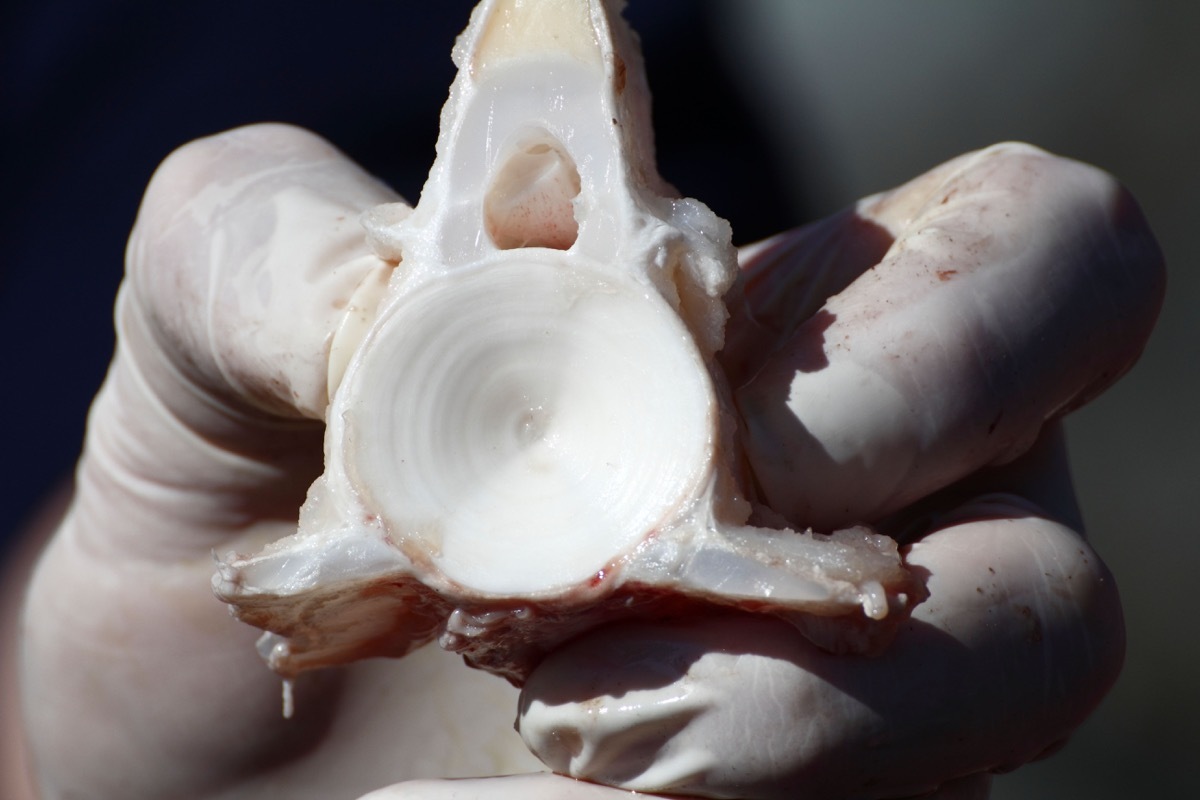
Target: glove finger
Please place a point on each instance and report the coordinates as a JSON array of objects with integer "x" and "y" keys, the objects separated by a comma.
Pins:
[
  {"x": 244, "y": 260},
  {"x": 1019, "y": 638},
  {"x": 242, "y": 265},
  {"x": 1017, "y": 287},
  {"x": 245, "y": 254}
]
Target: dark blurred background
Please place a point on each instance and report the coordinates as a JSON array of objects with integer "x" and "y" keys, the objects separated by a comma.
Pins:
[{"x": 774, "y": 112}]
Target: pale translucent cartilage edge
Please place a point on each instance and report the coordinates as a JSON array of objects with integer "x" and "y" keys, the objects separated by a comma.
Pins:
[{"x": 358, "y": 318}]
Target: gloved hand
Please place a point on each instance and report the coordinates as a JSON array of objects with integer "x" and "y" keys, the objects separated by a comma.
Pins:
[{"x": 969, "y": 310}]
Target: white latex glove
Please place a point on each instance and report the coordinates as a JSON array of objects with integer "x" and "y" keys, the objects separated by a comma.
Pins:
[
  {"x": 1017, "y": 286},
  {"x": 971, "y": 308}
]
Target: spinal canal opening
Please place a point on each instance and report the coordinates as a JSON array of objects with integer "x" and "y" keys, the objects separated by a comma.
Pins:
[
  {"x": 530, "y": 201},
  {"x": 541, "y": 420}
]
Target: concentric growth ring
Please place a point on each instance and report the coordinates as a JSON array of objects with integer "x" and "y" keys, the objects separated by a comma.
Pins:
[{"x": 525, "y": 423}]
